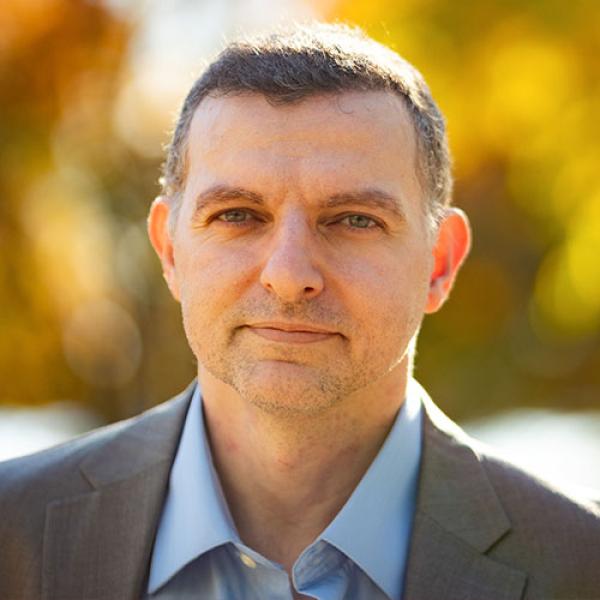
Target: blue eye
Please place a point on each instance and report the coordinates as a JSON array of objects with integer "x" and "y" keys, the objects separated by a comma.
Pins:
[
  {"x": 234, "y": 216},
  {"x": 360, "y": 222}
]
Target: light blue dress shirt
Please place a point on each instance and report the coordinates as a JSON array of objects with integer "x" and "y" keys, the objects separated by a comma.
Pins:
[{"x": 360, "y": 555}]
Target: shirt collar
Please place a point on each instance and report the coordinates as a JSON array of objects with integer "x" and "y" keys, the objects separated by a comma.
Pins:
[
  {"x": 374, "y": 526},
  {"x": 184, "y": 531},
  {"x": 372, "y": 529}
]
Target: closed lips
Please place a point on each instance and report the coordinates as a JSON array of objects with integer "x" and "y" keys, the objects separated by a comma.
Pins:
[
  {"x": 290, "y": 333},
  {"x": 290, "y": 327}
]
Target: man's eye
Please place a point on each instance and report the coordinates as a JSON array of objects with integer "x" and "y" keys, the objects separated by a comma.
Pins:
[
  {"x": 234, "y": 216},
  {"x": 359, "y": 222}
]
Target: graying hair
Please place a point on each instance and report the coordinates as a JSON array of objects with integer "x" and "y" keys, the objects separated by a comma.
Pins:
[{"x": 290, "y": 65}]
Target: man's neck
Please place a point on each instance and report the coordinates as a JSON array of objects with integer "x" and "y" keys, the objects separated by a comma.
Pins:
[{"x": 286, "y": 478}]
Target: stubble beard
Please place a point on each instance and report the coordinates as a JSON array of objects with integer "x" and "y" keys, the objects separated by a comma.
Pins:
[
  {"x": 297, "y": 387},
  {"x": 297, "y": 390}
]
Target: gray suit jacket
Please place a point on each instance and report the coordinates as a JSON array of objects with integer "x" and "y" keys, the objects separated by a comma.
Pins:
[{"x": 78, "y": 521}]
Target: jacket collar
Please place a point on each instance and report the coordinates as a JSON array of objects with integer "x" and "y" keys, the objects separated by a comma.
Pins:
[{"x": 457, "y": 520}]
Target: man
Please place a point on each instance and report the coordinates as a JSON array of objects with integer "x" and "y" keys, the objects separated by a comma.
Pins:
[{"x": 305, "y": 228}]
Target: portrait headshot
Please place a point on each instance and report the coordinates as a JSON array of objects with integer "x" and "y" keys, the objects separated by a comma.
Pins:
[{"x": 305, "y": 230}]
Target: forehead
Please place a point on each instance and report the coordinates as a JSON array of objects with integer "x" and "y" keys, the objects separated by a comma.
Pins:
[{"x": 363, "y": 138}]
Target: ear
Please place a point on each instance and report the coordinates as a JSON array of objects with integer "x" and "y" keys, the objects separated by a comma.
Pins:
[
  {"x": 160, "y": 237},
  {"x": 450, "y": 250}
]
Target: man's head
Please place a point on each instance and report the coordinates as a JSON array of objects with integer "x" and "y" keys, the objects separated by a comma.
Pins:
[
  {"x": 295, "y": 64},
  {"x": 304, "y": 254}
]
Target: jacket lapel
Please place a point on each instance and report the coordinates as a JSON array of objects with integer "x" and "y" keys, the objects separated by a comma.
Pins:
[
  {"x": 458, "y": 519},
  {"x": 111, "y": 529}
]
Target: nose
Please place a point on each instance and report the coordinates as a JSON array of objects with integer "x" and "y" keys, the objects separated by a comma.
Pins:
[{"x": 289, "y": 271}]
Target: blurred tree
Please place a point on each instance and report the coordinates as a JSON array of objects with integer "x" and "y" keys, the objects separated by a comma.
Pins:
[{"x": 77, "y": 290}]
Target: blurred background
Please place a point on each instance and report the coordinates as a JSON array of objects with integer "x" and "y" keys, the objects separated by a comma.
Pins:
[{"x": 88, "y": 94}]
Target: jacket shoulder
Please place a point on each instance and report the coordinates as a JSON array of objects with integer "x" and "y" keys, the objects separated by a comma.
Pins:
[
  {"x": 533, "y": 502},
  {"x": 555, "y": 529},
  {"x": 54, "y": 472},
  {"x": 30, "y": 484}
]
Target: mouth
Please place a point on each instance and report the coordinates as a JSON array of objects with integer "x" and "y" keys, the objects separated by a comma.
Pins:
[{"x": 290, "y": 333}]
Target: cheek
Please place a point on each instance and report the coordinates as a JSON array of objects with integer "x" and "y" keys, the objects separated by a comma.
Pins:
[
  {"x": 210, "y": 277},
  {"x": 394, "y": 278},
  {"x": 386, "y": 298}
]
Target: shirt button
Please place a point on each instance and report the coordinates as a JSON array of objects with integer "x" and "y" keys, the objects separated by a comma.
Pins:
[{"x": 249, "y": 562}]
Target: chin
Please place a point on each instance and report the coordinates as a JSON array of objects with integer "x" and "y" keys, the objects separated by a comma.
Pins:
[
  {"x": 289, "y": 389},
  {"x": 305, "y": 405}
]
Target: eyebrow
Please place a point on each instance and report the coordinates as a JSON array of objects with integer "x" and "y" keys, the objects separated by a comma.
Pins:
[
  {"x": 220, "y": 194},
  {"x": 369, "y": 197}
]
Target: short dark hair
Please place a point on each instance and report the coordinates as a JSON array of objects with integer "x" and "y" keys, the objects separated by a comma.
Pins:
[{"x": 292, "y": 64}]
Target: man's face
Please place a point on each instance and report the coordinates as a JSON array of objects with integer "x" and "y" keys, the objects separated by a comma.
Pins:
[{"x": 301, "y": 255}]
